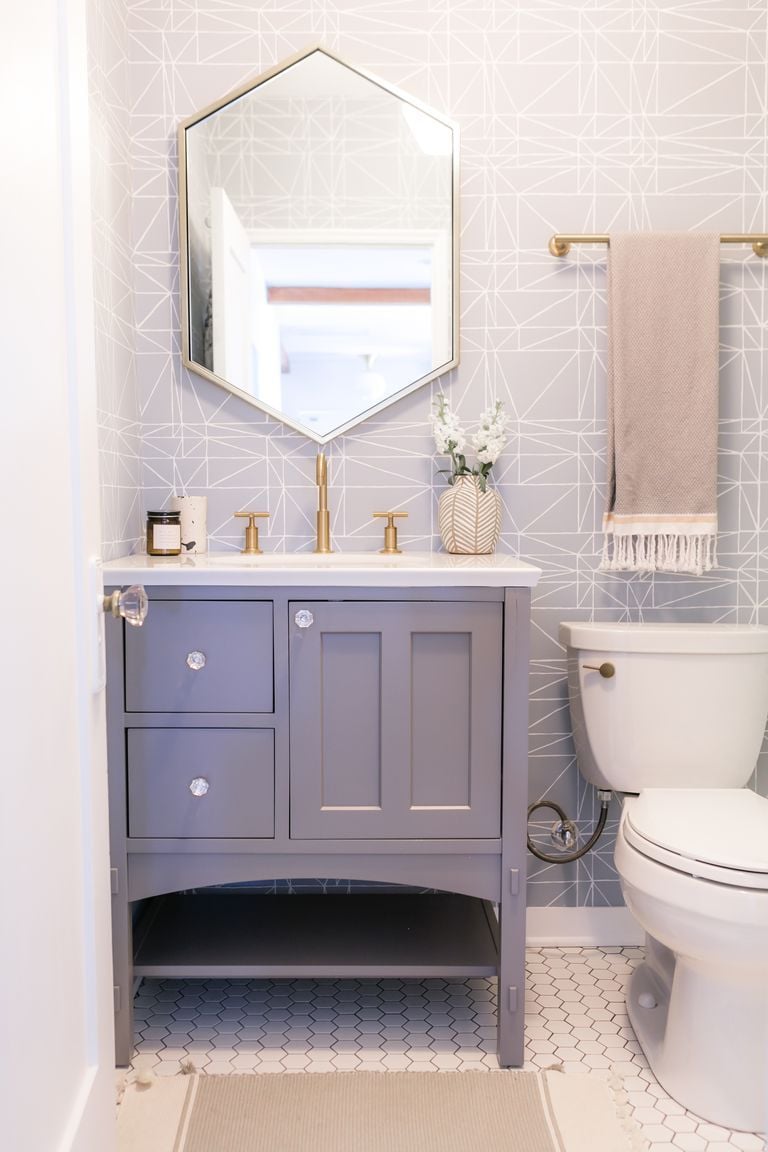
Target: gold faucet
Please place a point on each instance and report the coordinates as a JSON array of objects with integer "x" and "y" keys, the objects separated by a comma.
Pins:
[{"x": 323, "y": 515}]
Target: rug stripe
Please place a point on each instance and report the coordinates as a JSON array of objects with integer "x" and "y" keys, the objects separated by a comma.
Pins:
[
  {"x": 179, "y": 1143},
  {"x": 549, "y": 1112}
]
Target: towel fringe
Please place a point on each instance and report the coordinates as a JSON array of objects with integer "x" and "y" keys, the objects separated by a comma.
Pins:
[{"x": 659, "y": 552}]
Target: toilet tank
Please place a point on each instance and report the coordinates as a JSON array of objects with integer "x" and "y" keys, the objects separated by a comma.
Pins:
[{"x": 686, "y": 707}]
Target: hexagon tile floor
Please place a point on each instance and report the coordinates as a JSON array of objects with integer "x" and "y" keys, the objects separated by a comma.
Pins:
[{"x": 574, "y": 1015}]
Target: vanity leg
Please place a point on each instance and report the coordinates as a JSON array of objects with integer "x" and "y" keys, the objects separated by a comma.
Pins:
[
  {"x": 122, "y": 961},
  {"x": 511, "y": 983},
  {"x": 511, "y": 962}
]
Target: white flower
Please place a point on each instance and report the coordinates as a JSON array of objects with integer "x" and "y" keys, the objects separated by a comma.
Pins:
[
  {"x": 490, "y": 438},
  {"x": 489, "y": 454},
  {"x": 488, "y": 441},
  {"x": 448, "y": 433}
]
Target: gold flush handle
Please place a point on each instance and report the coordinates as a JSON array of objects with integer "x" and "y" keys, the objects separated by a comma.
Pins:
[
  {"x": 251, "y": 533},
  {"x": 606, "y": 670},
  {"x": 390, "y": 532}
]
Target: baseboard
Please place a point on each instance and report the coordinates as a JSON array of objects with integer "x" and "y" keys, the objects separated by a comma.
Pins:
[{"x": 584, "y": 927}]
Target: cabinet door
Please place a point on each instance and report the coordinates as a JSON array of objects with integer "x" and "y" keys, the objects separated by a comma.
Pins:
[{"x": 395, "y": 719}]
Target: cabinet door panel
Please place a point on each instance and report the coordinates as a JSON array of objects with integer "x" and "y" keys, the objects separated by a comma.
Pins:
[
  {"x": 396, "y": 720},
  {"x": 441, "y": 719},
  {"x": 351, "y": 730}
]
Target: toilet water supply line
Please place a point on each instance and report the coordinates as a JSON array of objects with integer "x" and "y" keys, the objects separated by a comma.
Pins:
[{"x": 565, "y": 831}]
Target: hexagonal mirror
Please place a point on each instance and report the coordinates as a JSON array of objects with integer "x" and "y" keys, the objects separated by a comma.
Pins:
[{"x": 319, "y": 244}]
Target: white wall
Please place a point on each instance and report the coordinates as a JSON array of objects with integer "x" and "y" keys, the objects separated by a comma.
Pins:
[{"x": 55, "y": 997}]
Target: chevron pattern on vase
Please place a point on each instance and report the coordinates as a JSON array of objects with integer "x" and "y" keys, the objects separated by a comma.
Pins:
[{"x": 470, "y": 520}]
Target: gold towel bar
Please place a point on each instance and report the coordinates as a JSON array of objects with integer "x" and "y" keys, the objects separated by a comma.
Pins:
[{"x": 561, "y": 245}]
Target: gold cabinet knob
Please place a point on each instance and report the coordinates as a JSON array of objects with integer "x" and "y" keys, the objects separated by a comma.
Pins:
[
  {"x": 606, "y": 669},
  {"x": 390, "y": 532},
  {"x": 251, "y": 533}
]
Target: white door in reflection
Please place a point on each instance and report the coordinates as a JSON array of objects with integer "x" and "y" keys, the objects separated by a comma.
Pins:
[
  {"x": 243, "y": 336},
  {"x": 230, "y": 293}
]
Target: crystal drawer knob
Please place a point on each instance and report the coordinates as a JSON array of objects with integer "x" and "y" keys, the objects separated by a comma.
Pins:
[
  {"x": 196, "y": 661},
  {"x": 130, "y": 603},
  {"x": 304, "y": 618},
  {"x": 199, "y": 786}
]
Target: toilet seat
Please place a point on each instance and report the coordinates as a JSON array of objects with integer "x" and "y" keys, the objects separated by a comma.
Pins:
[{"x": 715, "y": 834}]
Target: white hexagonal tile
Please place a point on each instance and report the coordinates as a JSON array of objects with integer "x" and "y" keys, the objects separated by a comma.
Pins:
[
  {"x": 575, "y": 1018},
  {"x": 669, "y": 1107},
  {"x": 395, "y": 1062},
  {"x": 747, "y": 1142},
  {"x": 690, "y": 1142},
  {"x": 709, "y": 1132},
  {"x": 346, "y": 1061},
  {"x": 680, "y": 1123}
]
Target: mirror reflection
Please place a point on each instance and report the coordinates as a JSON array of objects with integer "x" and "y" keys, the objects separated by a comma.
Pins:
[{"x": 318, "y": 243}]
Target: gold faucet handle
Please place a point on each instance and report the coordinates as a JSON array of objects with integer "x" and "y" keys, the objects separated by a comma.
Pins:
[
  {"x": 390, "y": 531},
  {"x": 251, "y": 533}
]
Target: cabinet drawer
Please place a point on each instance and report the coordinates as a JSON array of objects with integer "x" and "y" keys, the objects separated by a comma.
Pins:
[
  {"x": 234, "y": 639},
  {"x": 238, "y": 766}
]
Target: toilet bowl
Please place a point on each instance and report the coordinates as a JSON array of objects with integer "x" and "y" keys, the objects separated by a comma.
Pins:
[
  {"x": 699, "y": 1007},
  {"x": 686, "y": 707}
]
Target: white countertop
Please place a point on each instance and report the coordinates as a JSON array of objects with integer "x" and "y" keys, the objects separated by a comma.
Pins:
[{"x": 337, "y": 569}]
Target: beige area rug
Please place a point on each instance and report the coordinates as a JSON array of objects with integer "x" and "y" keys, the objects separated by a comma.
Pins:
[{"x": 374, "y": 1112}]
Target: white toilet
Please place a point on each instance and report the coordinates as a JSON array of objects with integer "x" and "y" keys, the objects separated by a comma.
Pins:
[{"x": 678, "y": 726}]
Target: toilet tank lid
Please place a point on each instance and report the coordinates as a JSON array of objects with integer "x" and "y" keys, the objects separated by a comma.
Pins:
[
  {"x": 614, "y": 637},
  {"x": 727, "y": 827}
]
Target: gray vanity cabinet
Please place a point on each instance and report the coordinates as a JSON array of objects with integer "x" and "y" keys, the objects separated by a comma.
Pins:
[
  {"x": 374, "y": 735},
  {"x": 395, "y": 719}
]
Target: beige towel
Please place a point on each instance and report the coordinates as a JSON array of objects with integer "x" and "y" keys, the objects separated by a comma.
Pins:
[{"x": 662, "y": 402}]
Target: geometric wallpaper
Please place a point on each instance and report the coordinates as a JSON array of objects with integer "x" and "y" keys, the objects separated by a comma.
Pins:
[
  {"x": 574, "y": 117},
  {"x": 117, "y": 398}
]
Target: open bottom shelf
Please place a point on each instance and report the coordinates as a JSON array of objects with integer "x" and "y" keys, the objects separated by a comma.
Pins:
[{"x": 236, "y": 934}]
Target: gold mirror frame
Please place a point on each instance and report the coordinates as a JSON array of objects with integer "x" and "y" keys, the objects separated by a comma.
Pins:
[{"x": 185, "y": 261}]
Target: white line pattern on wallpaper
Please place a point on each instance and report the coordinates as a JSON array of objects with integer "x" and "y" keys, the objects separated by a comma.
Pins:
[{"x": 574, "y": 117}]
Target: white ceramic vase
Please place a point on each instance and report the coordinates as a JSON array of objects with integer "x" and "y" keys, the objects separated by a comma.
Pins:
[
  {"x": 470, "y": 520},
  {"x": 194, "y": 516}
]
